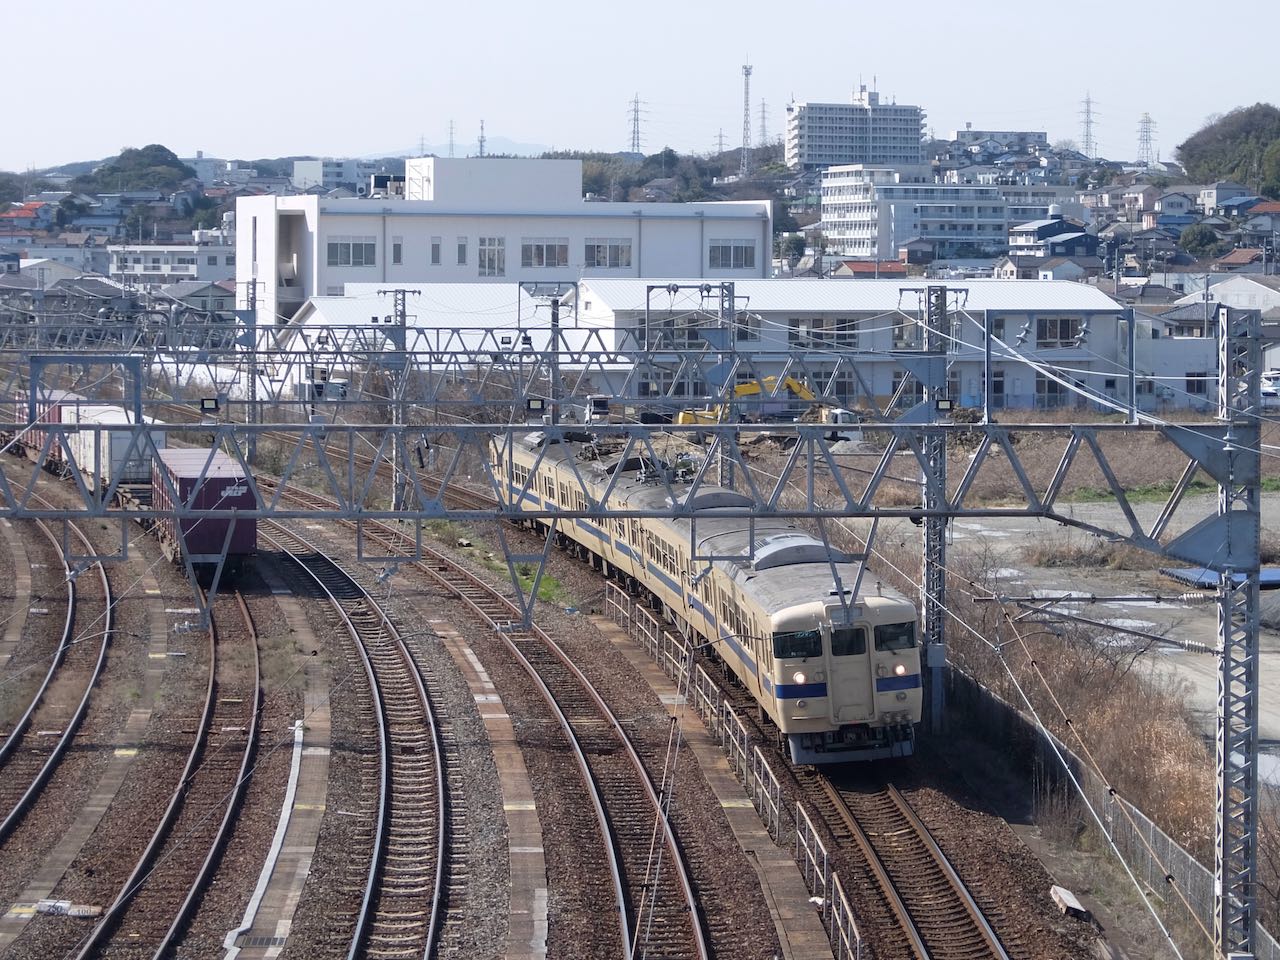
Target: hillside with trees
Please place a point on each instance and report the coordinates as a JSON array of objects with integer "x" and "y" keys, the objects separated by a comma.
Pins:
[
  {"x": 152, "y": 167},
  {"x": 1243, "y": 145}
]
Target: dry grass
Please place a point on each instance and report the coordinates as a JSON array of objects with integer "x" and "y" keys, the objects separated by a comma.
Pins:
[{"x": 1086, "y": 550}]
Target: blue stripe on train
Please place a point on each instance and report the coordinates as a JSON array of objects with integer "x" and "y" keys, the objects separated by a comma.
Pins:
[
  {"x": 886, "y": 684},
  {"x": 795, "y": 691}
]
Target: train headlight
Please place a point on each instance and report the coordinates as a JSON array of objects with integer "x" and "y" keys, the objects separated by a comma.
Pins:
[
  {"x": 799, "y": 677},
  {"x": 900, "y": 669}
]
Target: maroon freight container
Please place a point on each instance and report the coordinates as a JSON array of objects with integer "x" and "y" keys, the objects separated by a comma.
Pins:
[
  {"x": 49, "y": 404},
  {"x": 224, "y": 488}
]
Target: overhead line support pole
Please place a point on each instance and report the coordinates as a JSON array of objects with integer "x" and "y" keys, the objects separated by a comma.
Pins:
[
  {"x": 1239, "y": 522},
  {"x": 933, "y": 582}
]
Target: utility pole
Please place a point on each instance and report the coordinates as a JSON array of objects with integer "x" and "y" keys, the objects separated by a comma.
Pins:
[
  {"x": 728, "y": 331},
  {"x": 744, "y": 164},
  {"x": 933, "y": 579},
  {"x": 482, "y": 138},
  {"x": 249, "y": 340},
  {"x": 399, "y": 365},
  {"x": 554, "y": 365},
  {"x": 720, "y": 141},
  {"x": 763, "y": 140}
]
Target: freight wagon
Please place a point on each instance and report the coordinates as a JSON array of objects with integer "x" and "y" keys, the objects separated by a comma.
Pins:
[
  {"x": 204, "y": 480},
  {"x": 105, "y": 454},
  {"x": 51, "y": 407}
]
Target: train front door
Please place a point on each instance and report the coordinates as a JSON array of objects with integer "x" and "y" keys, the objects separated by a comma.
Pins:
[{"x": 849, "y": 680}]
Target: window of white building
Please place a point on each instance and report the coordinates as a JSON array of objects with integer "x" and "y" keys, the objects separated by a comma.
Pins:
[
  {"x": 462, "y": 251},
  {"x": 544, "y": 252},
  {"x": 435, "y": 251},
  {"x": 607, "y": 253},
  {"x": 1057, "y": 331},
  {"x": 352, "y": 252},
  {"x": 492, "y": 258},
  {"x": 732, "y": 255},
  {"x": 397, "y": 250}
]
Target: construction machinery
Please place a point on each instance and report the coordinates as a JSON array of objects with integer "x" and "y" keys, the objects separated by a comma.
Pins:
[
  {"x": 764, "y": 387},
  {"x": 821, "y": 410}
]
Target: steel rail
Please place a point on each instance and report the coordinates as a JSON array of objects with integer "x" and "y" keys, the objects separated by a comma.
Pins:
[
  {"x": 364, "y": 922},
  {"x": 28, "y": 798},
  {"x": 440, "y": 564},
  {"x": 24, "y": 721},
  {"x": 906, "y": 920},
  {"x": 97, "y": 937},
  {"x": 187, "y": 910},
  {"x": 610, "y": 841}
]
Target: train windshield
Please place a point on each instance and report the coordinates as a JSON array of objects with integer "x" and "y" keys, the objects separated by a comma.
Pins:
[
  {"x": 848, "y": 641},
  {"x": 896, "y": 636},
  {"x": 797, "y": 643}
]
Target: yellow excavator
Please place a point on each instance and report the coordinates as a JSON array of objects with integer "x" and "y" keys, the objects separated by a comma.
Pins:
[
  {"x": 765, "y": 386},
  {"x": 845, "y": 424}
]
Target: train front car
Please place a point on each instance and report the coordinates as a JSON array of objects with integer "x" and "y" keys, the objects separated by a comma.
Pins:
[{"x": 846, "y": 679}]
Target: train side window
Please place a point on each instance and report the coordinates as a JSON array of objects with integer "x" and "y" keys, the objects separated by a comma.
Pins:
[
  {"x": 895, "y": 636},
  {"x": 797, "y": 643},
  {"x": 848, "y": 641}
]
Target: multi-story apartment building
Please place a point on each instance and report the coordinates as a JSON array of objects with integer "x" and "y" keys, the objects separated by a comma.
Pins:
[
  {"x": 861, "y": 131},
  {"x": 1021, "y": 141},
  {"x": 331, "y": 173},
  {"x": 487, "y": 221},
  {"x": 1027, "y": 202},
  {"x": 872, "y": 211},
  {"x": 164, "y": 263}
]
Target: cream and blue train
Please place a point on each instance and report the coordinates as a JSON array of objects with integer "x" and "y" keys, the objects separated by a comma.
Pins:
[{"x": 840, "y": 680}]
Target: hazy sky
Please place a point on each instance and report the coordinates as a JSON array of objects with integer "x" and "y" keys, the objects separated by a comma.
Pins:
[{"x": 265, "y": 78}]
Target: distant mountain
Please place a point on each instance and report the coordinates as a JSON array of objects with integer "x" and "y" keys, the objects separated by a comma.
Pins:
[{"x": 466, "y": 148}]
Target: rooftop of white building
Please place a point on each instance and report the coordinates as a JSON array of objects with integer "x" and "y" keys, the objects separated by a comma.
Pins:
[{"x": 854, "y": 296}]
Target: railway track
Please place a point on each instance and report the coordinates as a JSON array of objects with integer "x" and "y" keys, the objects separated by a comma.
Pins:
[
  {"x": 936, "y": 912},
  {"x": 658, "y": 914},
  {"x": 159, "y": 898},
  {"x": 404, "y": 901},
  {"x": 42, "y": 735}
]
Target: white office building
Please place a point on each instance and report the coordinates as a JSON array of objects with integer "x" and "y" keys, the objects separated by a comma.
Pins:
[
  {"x": 331, "y": 173},
  {"x": 838, "y": 337},
  {"x": 487, "y": 221},
  {"x": 865, "y": 130},
  {"x": 870, "y": 211}
]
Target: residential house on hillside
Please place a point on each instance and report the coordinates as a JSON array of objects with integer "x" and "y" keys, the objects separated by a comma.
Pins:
[
  {"x": 1242, "y": 260},
  {"x": 1175, "y": 202},
  {"x": 217, "y": 298},
  {"x": 1056, "y": 236},
  {"x": 1017, "y": 267},
  {"x": 1237, "y": 206},
  {"x": 1215, "y": 194},
  {"x": 869, "y": 269},
  {"x": 1068, "y": 268}
]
